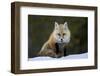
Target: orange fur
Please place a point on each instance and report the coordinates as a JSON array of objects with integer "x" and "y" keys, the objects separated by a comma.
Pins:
[{"x": 49, "y": 47}]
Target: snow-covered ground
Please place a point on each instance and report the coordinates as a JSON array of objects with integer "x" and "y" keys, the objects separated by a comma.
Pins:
[{"x": 76, "y": 56}]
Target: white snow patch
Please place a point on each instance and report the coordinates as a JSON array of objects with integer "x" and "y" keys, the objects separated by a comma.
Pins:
[{"x": 76, "y": 56}]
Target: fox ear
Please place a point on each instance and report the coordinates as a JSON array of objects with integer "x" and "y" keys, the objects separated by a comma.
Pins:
[
  {"x": 56, "y": 25},
  {"x": 65, "y": 25}
]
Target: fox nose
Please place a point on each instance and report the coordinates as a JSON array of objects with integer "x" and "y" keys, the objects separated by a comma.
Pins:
[{"x": 61, "y": 40}]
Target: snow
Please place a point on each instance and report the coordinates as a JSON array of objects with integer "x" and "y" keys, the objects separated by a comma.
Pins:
[{"x": 76, "y": 56}]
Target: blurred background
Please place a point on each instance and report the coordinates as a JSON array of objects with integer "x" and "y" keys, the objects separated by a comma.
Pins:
[{"x": 40, "y": 27}]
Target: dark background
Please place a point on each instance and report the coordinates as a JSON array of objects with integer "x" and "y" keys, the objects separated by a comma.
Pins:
[{"x": 40, "y": 27}]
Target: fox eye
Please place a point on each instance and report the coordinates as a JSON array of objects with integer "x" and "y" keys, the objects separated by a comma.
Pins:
[
  {"x": 64, "y": 34},
  {"x": 58, "y": 34}
]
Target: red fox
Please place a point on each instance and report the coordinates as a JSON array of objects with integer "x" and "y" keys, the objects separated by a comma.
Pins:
[{"x": 59, "y": 38}]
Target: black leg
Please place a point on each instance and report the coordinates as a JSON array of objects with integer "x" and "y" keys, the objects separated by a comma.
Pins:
[
  {"x": 65, "y": 51},
  {"x": 57, "y": 48}
]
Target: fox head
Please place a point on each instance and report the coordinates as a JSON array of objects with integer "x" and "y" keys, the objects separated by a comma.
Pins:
[{"x": 61, "y": 33}]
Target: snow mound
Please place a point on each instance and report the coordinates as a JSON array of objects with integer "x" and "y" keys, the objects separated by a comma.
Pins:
[{"x": 76, "y": 56}]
